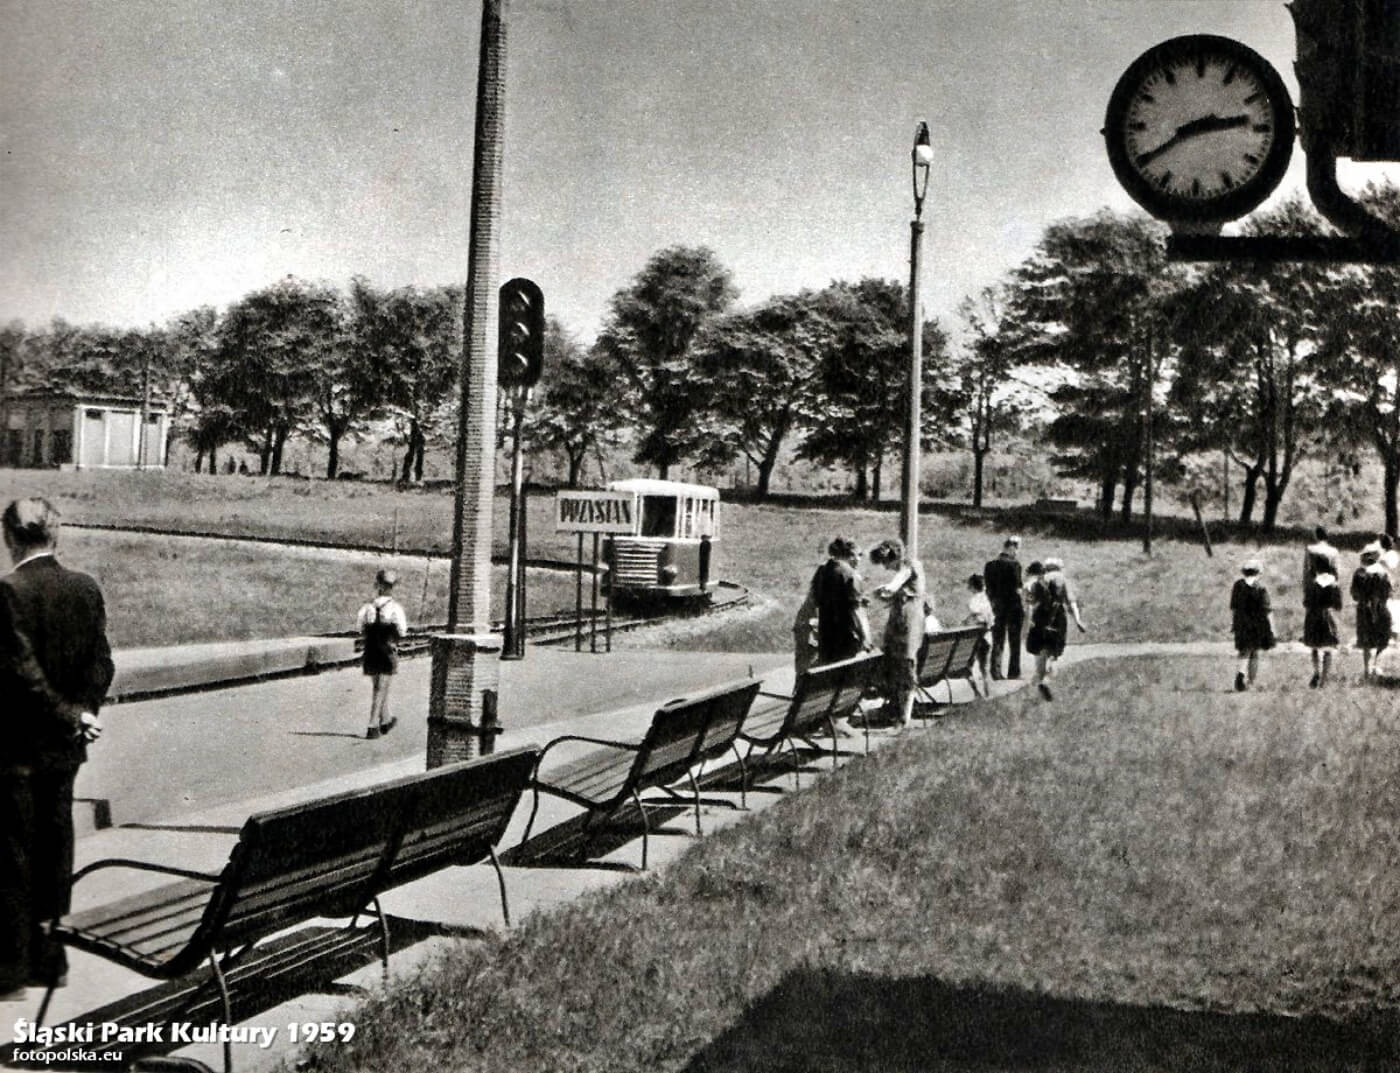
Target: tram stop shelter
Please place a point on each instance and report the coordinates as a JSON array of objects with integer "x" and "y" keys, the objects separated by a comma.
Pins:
[{"x": 70, "y": 430}]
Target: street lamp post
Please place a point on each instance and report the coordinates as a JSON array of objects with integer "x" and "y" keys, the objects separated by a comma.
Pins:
[
  {"x": 922, "y": 158},
  {"x": 1150, "y": 434}
]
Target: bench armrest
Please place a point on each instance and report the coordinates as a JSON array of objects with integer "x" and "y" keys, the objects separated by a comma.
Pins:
[
  {"x": 143, "y": 866},
  {"x": 774, "y": 696},
  {"x": 630, "y": 746}
]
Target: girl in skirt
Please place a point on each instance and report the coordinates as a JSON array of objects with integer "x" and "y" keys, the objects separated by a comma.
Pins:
[
  {"x": 1322, "y": 599},
  {"x": 1252, "y": 621}
]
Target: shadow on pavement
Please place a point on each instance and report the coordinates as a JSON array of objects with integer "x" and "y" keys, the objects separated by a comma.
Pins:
[
  {"x": 846, "y": 1022},
  {"x": 578, "y": 843},
  {"x": 306, "y": 961}
]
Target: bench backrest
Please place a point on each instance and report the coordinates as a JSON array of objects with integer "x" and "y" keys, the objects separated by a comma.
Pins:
[
  {"x": 330, "y": 857},
  {"x": 686, "y": 731},
  {"x": 829, "y": 692},
  {"x": 949, "y": 653}
]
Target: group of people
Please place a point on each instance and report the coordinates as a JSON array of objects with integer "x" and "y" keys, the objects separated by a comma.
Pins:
[
  {"x": 1046, "y": 590},
  {"x": 1373, "y": 591},
  {"x": 833, "y": 624}
]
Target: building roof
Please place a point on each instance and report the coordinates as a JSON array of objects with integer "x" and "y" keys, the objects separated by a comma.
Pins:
[
  {"x": 652, "y": 486},
  {"x": 84, "y": 398}
]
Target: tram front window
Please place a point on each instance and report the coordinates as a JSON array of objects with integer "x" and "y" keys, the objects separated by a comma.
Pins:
[{"x": 658, "y": 516}]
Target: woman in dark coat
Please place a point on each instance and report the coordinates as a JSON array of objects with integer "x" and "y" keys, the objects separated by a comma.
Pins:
[
  {"x": 1252, "y": 621},
  {"x": 1370, "y": 590},
  {"x": 1053, "y": 603}
]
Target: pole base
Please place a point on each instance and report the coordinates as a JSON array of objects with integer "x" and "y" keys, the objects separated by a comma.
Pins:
[{"x": 462, "y": 717}]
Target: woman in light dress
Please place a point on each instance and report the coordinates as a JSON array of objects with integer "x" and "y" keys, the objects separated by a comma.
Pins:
[{"x": 907, "y": 595}]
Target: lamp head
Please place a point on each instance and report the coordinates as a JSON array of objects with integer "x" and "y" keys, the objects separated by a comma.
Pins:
[{"x": 922, "y": 157}]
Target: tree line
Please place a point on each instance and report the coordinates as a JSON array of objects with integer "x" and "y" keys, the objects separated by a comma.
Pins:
[{"x": 1094, "y": 334}]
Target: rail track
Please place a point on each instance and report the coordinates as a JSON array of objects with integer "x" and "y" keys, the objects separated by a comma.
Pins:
[{"x": 562, "y": 627}]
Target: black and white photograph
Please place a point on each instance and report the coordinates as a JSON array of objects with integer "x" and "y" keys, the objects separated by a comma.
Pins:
[{"x": 710, "y": 536}]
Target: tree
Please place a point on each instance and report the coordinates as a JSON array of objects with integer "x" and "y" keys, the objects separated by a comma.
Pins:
[
  {"x": 647, "y": 337},
  {"x": 1249, "y": 334},
  {"x": 192, "y": 345},
  {"x": 756, "y": 366},
  {"x": 856, "y": 401},
  {"x": 411, "y": 339},
  {"x": 1362, "y": 348},
  {"x": 272, "y": 343},
  {"x": 1089, "y": 300},
  {"x": 994, "y": 400},
  {"x": 576, "y": 411}
]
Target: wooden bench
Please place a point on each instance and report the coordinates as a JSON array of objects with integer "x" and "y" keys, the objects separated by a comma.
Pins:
[
  {"x": 327, "y": 858},
  {"x": 949, "y": 654},
  {"x": 821, "y": 695},
  {"x": 683, "y": 735}
]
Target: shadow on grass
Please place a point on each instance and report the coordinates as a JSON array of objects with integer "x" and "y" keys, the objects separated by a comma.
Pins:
[{"x": 839, "y": 1022}]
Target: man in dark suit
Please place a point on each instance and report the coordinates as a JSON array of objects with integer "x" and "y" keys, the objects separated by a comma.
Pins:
[
  {"x": 1003, "y": 577},
  {"x": 55, "y": 667}
]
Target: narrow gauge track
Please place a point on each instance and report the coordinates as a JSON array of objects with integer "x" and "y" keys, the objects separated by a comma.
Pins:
[{"x": 563, "y": 626}]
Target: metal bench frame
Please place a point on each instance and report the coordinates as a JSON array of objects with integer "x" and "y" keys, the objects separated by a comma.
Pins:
[
  {"x": 327, "y": 858},
  {"x": 949, "y": 654},
  {"x": 821, "y": 695},
  {"x": 684, "y": 735}
]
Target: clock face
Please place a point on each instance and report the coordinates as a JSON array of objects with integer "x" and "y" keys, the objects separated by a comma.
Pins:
[{"x": 1199, "y": 128}]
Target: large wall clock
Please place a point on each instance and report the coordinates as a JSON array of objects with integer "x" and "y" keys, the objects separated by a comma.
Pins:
[{"x": 1199, "y": 129}]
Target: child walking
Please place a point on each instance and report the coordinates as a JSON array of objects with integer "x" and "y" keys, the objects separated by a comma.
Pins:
[
  {"x": 1252, "y": 621},
  {"x": 1322, "y": 599},
  {"x": 382, "y": 624},
  {"x": 979, "y": 613}
]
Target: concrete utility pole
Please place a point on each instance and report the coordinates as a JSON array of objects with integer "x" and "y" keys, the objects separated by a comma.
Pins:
[{"x": 466, "y": 659}]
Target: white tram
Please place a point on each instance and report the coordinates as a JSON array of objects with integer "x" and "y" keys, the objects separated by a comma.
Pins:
[{"x": 670, "y": 553}]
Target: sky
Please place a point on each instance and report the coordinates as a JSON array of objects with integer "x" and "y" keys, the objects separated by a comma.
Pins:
[{"x": 159, "y": 156}]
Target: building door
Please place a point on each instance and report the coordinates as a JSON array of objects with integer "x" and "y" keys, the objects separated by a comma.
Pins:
[
  {"x": 94, "y": 438},
  {"x": 121, "y": 438}
]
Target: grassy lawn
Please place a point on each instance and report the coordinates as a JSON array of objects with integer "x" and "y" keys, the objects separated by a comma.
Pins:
[
  {"x": 1207, "y": 881},
  {"x": 168, "y": 590},
  {"x": 1177, "y": 594}
]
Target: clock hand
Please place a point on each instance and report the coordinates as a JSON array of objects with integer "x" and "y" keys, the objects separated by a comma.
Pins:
[{"x": 1204, "y": 125}]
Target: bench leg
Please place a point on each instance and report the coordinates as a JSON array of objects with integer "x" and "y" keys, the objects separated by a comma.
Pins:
[
  {"x": 534, "y": 810},
  {"x": 743, "y": 777},
  {"x": 383, "y": 938},
  {"x": 695, "y": 789},
  {"x": 501, "y": 882},
  {"x": 646, "y": 827},
  {"x": 228, "y": 1008}
]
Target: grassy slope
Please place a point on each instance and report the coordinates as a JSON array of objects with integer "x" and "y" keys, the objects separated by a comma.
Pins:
[{"x": 1056, "y": 877}]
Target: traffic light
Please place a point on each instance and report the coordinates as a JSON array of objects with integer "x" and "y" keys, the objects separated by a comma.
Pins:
[
  {"x": 520, "y": 339},
  {"x": 1348, "y": 67}
]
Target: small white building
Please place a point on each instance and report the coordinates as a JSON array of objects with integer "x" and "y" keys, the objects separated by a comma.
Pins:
[{"x": 67, "y": 430}]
